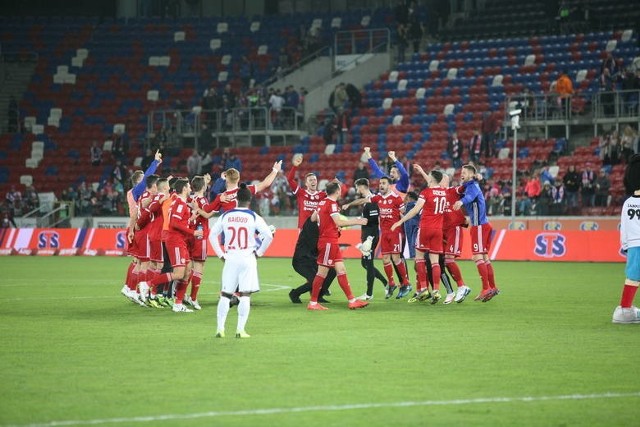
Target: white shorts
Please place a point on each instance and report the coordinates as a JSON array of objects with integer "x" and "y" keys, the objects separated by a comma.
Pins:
[{"x": 240, "y": 273}]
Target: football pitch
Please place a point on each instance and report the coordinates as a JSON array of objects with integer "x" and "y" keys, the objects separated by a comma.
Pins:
[{"x": 544, "y": 352}]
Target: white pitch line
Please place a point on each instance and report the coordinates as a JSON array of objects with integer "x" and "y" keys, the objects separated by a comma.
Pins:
[{"x": 302, "y": 409}]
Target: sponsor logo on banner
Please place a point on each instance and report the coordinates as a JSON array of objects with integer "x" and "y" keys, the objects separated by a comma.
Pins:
[
  {"x": 68, "y": 252},
  {"x": 113, "y": 252},
  {"x": 48, "y": 239},
  {"x": 517, "y": 225},
  {"x": 550, "y": 245},
  {"x": 6, "y": 251},
  {"x": 589, "y": 226},
  {"x": 46, "y": 252},
  {"x": 553, "y": 226},
  {"x": 101, "y": 224},
  {"x": 25, "y": 251},
  {"x": 121, "y": 240},
  {"x": 90, "y": 252}
]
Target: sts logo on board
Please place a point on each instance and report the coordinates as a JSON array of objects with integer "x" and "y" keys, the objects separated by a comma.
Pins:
[
  {"x": 48, "y": 240},
  {"x": 550, "y": 245},
  {"x": 121, "y": 240}
]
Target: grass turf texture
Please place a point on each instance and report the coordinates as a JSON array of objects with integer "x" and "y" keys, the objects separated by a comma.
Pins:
[{"x": 74, "y": 349}]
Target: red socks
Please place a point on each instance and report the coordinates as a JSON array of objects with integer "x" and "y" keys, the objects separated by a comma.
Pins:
[
  {"x": 628, "y": 294},
  {"x": 403, "y": 272},
  {"x": 128, "y": 280},
  {"x": 490, "y": 276},
  {"x": 484, "y": 276},
  {"x": 421, "y": 272},
  {"x": 388, "y": 270},
  {"x": 316, "y": 287},
  {"x": 181, "y": 289},
  {"x": 344, "y": 284},
  {"x": 435, "y": 272},
  {"x": 196, "y": 278},
  {"x": 454, "y": 270},
  {"x": 160, "y": 279}
]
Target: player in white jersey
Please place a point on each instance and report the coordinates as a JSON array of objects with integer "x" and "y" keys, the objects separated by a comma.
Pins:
[
  {"x": 626, "y": 312},
  {"x": 240, "y": 271}
]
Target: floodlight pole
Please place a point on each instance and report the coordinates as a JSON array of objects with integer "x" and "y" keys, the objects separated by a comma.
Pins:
[{"x": 515, "y": 125}]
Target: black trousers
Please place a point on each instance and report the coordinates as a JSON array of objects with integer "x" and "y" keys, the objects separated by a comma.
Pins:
[{"x": 307, "y": 268}]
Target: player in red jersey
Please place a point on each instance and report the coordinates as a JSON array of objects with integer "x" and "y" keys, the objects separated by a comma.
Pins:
[
  {"x": 307, "y": 197},
  {"x": 432, "y": 202},
  {"x": 329, "y": 255},
  {"x": 152, "y": 215},
  {"x": 198, "y": 246},
  {"x": 176, "y": 243},
  {"x": 454, "y": 221},
  {"x": 390, "y": 205},
  {"x": 141, "y": 238},
  {"x": 226, "y": 200}
]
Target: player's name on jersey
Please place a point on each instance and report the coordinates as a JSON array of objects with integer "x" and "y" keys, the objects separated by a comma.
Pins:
[{"x": 237, "y": 219}]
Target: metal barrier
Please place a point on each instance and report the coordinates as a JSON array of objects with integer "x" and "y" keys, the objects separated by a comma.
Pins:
[{"x": 246, "y": 126}]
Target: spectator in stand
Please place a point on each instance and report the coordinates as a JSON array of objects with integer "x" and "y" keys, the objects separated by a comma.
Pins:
[
  {"x": 147, "y": 159},
  {"x": 291, "y": 102},
  {"x": 545, "y": 199},
  {"x": 564, "y": 88},
  {"x": 119, "y": 172},
  {"x": 354, "y": 96},
  {"x": 361, "y": 172},
  {"x": 246, "y": 72},
  {"x": 338, "y": 98},
  {"x": 403, "y": 42},
  {"x": 95, "y": 154},
  {"x": 230, "y": 160},
  {"x": 545, "y": 176},
  {"x": 607, "y": 95},
  {"x": 120, "y": 147},
  {"x": 558, "y": 198},
  {"x": 588, "y": 182},
  {"x": 629, "y": 143},
  {"x": 329, "y": 131},
  {"x": 276, "y": 102},
  {"x": 401, "y": 12},
  {"x": 14, "y": 199},
  {"x": 490, "y": 126},
  {"x": 494, "y": 199},
  {"x": 194, "y": 163},
  {"x": 609, "y": 63},
  {"x": 629, "y": 83},
  {"x": 343, "y": 125},
  {"x": 415, "y": 27},
  {"x": 532, "y": 191},
  {"x": 475, "y": 147},
  {"x": 31, "y": 200},
  {"x": 7, "y": 218},
  {"x": 571, "y": 186},
  {"x": 455, "y": 149},
  {"x": 603, "y": 186}
]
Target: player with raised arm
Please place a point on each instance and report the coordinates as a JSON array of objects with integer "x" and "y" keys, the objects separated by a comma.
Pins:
[
  {"x": 474, "y": 204},
  {"x": 390, "y": 205},
  {"x": 198, "y": 246},
  {"x": 240, "y": 271},
  {"x": 138, "y": 184},
  {"x": 177, "y": 236},
  {"x": 431, "y": 203},
  {"x": 152, "y": 215},
  {"x": 398, "y": 174},
  {"x": 307, "y": 197},
  {"x": 141, "y": 238},
  {"x": 329, "y": 254},
  {"x": 626, "y": 312}
]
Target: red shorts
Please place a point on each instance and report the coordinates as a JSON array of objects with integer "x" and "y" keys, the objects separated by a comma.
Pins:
[
  {"x": 178, "y": 253},
  {"x": 453, "y": 241},
  {"x": 429, "y": 240},
  {"x": 131, "y": 248},
  {"x": 198, "y": 249},
  {"x": 143, "y": 250},
  {"x": 329, "y": 253},
  {"x": 481, "y": 238},
  {"x": 391, "y": 241},
  {"x": 156, "y": 254}
]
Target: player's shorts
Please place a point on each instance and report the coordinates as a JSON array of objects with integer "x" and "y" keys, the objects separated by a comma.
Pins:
[
  {"x": 156, "y": 253},
  {"x": 178, "y": 253},
  {"x": 453, "y": 241},
  {"x": 198, "y": 249},
  {"x": 391, "y": 242},
  {"x": 480, "y": 238},
  {"x": 240, "y": 272},
  {"x": 143, "y": 249},
  {"x": 131, "y": 248},
  {"x": 429, "y": 240},
  {"x": 329, "y": 253},
  {"x": 632, "y": 270}
]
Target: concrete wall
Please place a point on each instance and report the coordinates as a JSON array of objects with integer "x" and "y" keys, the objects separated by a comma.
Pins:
[{"x": 318, "y": 98}]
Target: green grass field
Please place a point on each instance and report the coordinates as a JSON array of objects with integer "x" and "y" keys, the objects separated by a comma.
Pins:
[{"x": 544, "y": 352}]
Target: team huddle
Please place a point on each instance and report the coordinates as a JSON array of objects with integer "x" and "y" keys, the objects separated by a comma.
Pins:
[{"x": 168, "y": 231}]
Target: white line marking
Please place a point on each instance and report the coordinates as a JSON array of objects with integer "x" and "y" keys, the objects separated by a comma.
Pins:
[{"x": 271, "y": 411}]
